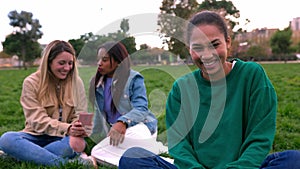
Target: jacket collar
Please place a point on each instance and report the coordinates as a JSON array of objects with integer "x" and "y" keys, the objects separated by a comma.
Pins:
[{"x": 101, "y": 82}]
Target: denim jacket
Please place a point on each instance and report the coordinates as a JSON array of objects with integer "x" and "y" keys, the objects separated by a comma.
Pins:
[{"x": 133, "y": 107}]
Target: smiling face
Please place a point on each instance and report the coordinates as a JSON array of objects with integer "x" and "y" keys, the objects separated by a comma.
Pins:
[
  {"x": 106, "y": 64},
  {"x": 61, "y": 65},
  {"x": 208, "y": 48}
]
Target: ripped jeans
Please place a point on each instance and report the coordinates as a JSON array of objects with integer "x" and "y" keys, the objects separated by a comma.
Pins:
[{"x": 41, "y": 149}]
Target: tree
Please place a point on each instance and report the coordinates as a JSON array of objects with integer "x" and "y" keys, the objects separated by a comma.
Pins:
[
  {"x": 171, "y": 20},
  {"x": 77, "y": 45},
  {"x": 88, "y": 52},
  {"x": 297, "y": 47},
  {"x": 280, "y": 42},
  {"x": 126, "y": 39},
  {"x": 24, "y": 38},
  {"x": 4, "y": 55},
  {"x": 129, "y": 43},
  {"x": 125, "y": 25},
  {"x": 12, "y": 45},
  {"x": 257, "y": 52},
  {"x": 92, "y": 42},
  {"x": 144, "y": 46},
  {"x": 224, "y": 8},
  {"x": 183, "y": 9}
]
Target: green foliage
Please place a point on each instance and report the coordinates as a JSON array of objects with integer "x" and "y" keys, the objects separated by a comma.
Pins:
[
  {"x": 88, "y": 52},
  {"x": 25, "y": 24},
  {"x": 148, "y": 55},
  {"x": 159, "y": 80},
  {"x": 280, "y": 42},
  {"x": 144, "y": 56},
  {"x": 77, "y": 45},
  {"x": 17, "y": 43},
  {"x": 144, "y": 46},
  {"x": 257, "y": 52},
  {"x": 129, "y": 43},
  {"x": 4, "y": 55},
  {"x": 23, "y": 42},
  {"x": 11, "y": 45},
  {"x": 297, "y": 47},
  {"x": 173, "y": 28},
  {"x": 124, "y": 25},
  {"x": 171, "y": 20},
  {"x": 225, "y": 7}
]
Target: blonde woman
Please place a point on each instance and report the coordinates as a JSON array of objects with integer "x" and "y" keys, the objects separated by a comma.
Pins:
[{"x": 52, "y": 97}]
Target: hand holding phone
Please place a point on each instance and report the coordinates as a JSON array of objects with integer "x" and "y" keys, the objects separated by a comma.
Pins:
[{"x": 86, "y": 118}]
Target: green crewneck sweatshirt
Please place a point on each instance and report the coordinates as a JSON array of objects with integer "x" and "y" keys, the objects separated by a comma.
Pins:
[{"x": 229, "y": 123}]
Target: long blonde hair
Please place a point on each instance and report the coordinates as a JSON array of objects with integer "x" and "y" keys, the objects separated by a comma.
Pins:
[{"x": 47, "y": 88}]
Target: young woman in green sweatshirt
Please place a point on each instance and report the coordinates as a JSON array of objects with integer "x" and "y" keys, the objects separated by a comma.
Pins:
[{"x": 222, "y": 115}]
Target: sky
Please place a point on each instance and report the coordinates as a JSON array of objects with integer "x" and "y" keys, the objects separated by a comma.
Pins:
[{"x": 68, "y": 19}]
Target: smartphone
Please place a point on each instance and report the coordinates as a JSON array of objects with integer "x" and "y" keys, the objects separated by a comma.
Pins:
[{"x": 86, "y": 118}]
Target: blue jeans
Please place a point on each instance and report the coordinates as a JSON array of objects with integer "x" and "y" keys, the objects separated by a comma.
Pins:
[
  {"x": 40, "y": 149},
  {"x": 140, "y": 158},
  {"x": 289, "y": 159}
]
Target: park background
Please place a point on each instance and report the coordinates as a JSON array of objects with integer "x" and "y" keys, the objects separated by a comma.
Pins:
[
  {"x": 278, "y": 40},
  {"x": 159, "y": 79},
  {"x": 276, "y": 49}
]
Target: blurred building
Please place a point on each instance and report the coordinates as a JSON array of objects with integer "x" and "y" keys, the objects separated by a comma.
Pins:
[
  {"x": 295, "y": 24},
  {"x": 261, "y": 37},
  {"x": 10, "y": 62}
]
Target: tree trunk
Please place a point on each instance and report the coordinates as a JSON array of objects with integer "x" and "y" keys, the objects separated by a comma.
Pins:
[{"x": 23, "y": 56}]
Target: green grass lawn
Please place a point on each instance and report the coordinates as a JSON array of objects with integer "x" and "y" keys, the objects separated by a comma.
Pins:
[{"x": 158, "y": 80}]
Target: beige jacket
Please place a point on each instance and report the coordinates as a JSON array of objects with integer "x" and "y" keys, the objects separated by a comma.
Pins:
[{"x": 41, "y": 120}]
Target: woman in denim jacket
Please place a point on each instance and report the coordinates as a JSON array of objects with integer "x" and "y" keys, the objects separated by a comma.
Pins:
[{"x": 122, "y": 118}]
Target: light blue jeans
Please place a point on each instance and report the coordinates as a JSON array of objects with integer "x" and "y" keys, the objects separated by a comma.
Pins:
[
  {"x": 42, "y": 149},
  {"x": 140, "y": 158}
]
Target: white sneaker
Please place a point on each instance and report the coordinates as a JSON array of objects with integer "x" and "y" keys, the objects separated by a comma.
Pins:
[
  {"x": 88, "y": 159},
  {"x": 2, "y": 153}
]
